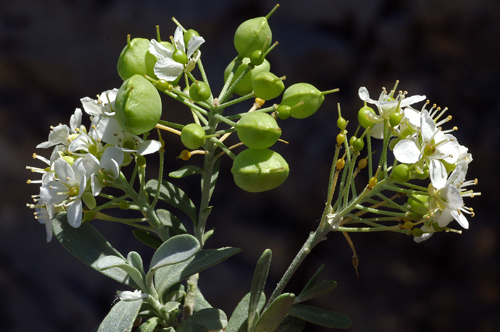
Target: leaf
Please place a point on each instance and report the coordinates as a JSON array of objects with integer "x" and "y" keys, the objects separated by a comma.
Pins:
[
  {"x": 88, "y": 245},
  {"x": 239, "y": 318},
  {"x": 175, "y": 250},
  {"x": 200, "y": 302},
  {"x": 147, "y": 238},
  {"x": 211, "y": 318},
  {"x": 185, "y": 171},
  {"x": 258, "y": 283},
  {"x": 188, "y": 326},
  {"x": 330, "y": 319},
  {"x": 168, "y": 276},
  {"x": 111, "y": 261},
  {"x": 274, "y": 315},
  {"x": 313, "y": 279},
  {"x": 323, "y": 288},
  {"x": 168, "y": 219},
  {"x": 291, "y": 324},
  {"x": 121, "y": 317},
  {"x": 173, "y": 196},
  {"x": 135, "y": 260},
  {"x": 149, "y": 325}
]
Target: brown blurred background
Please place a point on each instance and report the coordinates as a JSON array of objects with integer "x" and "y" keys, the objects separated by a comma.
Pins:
[{"x": 52, "y": 53}]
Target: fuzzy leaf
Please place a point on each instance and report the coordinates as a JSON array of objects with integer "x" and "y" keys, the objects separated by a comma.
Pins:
[
  {"x": 175, "y": 250},
  {"x": 168, "y": 276},
  {"x": 111, "y": 261},
  {"x": 313, "y": 279},
  {"x": 291, "y": 324},
  {"x": 173, "y": 196},
  {"x": 185, "y": 171},
  {"x": 323, "y": 288},
  {"x": 258, "y": 283},
  {"x": 169, "y": 220},
  {"x": 239, "y": 318},
  {"x": 149, "y": 325},
  {"x": 147, "y": 238},
  {"x": 88, "y": 245},
  {"x": 121, "y": 317},
  {"x": 274, "y": 315},
  {"x": 213, "y": 319},
  {"x": 330, "y": 319}
]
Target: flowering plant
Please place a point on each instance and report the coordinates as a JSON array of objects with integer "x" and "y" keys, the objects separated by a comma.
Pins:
[{"x": 417, "y": 183}]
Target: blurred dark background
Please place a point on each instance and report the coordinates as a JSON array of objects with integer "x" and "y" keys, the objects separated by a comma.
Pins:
[{"x": 52, "y": 53}]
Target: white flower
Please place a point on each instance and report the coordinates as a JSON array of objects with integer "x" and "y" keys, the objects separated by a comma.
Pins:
[
  {"x": 67, "y": 188},
  {"x": 429, "y": 145},
  {"x": 104, "y": 105},
  {"x": 131, "y": 296},
  {"x": 61, "y": 134},
  {"x": 447, "y": 203},
  {"x": 110, "y": 131},
  {"x": 166, "y": 67},
  {"x": 109, "y": 166}
]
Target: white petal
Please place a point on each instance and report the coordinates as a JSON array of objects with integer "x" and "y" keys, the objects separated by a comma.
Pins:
[
  {"x": 50, "y": 192},
  {"x": 406, "y": 151},
  {"x": 131, "y": 296},
  {"x": 437, "y": 173},
  {"x": 75, "y": 213},
  {"x": 460, "y": 218},
  {"x": 193, "y": 45},
  {"x": 64, "y": 171},
  {"x": 412, "y": 100},
  {"x": 377, "y": 130},
  {"x": 413, "y": 117},
  {"x": 148, "y": 147},
  {"x": 158, "y": 50},
  {"x": 76, "y": 120},
  {"x": 167, "y": 69},
  {"x": 427, "y": 126},
  {"x": 444, "y": 218},
  {"x": 179, "y": 39},
  {"x": 364, "y": 94}
]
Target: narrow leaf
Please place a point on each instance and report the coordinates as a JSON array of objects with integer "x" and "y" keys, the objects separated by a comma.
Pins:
[
  {"x": 88, "y": 245},
  {"x": 330, "y": 319},
  {"x": 185, "y": 171},
  {"x": 200, "y": 302},
  {"x": 323, "y": 288},
  {"x": 109, "y": 262},
  {"x": 189, "y": 326},
  {"x": 239, "y": 318},
  {"x": 213, "y": 319},
  {"x": 149, "y": 325},
  {"x": 258, "y": 283},
  {"x": 313, "y": 279},
  {"x": 168, "y": 276},
  {"x": 173, "y": 196},
  {"x": 274, "y": 315},
  {"x": 121, "y": 317},
  {"x": 147, "y": 238},
  {"x": 168, "y": 219},
  {"x": 175, "y": 250},
  {"x": 291, "y": 324}
]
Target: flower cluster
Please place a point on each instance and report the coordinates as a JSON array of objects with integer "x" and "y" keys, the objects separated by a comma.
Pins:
[
  {"x": 83, "y": 161},
  {"x": 424, "y": 150}
]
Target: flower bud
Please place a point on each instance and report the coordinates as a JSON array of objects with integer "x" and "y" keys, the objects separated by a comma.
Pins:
[
  {"x": 267, "y": 86},
  {"x": 258, "y": 130},
  {"x": 257, "y": 170},
  {"x": 244, "y": 87},
  {"x": 138, "y": 105}
]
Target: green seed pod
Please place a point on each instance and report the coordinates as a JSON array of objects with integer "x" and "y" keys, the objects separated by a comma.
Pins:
[
  {"x": 192, "y": 136},
  {"x": 363, "y": 119},
  {"x": 310, "y": 97},
  {"x": 283, "y": 112},
  {"x": 259, "y": 170},
  {"x": 258, "y": 130},
  {"x": 135, "y": 59},
  {"x": 245, "y": 85},
  {"x": 138, "y": 105},
  {"x": 341, "y": 123},
  {"x": 251, "y": 36},
  {"x": 199, "y": 91},
  {"x": 358, "y": 144},
  {"x": 267, "y": 86},
  {"x": 257, "y": 57},
  {"x": 401, "y": 173},
  {"x": 188, "y": 35},
  {"x": 395, "y": 118}
]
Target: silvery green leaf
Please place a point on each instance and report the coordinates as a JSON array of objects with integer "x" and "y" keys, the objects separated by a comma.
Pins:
[
  {"x": 121, "y": 317},
  {"x": 175, "y": 250},
  {"x": 258, "y": 283},
  {"x": 185, "y": 171},
  {"x": 87, "y": 244},
  {"x": 239, "y": 318},
  {"x": 211, "y": 318},
  {"x": 330, "y": 319},
  {"x": 323, "y": 288},
  {"x": 272, "y": 317}
]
